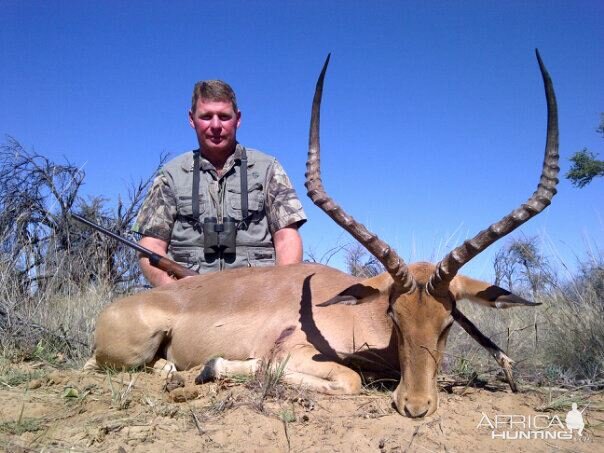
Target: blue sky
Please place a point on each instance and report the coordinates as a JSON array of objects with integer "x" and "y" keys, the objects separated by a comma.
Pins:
[{"x": 433, "y": 122}]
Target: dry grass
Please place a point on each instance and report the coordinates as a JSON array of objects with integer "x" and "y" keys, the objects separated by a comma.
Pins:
[
  {"x": 51, "y": 322},
  {"x": 558, "y": 343},
  {"x": 52, "y": 327},
  {"x": 574, "y": 349}
]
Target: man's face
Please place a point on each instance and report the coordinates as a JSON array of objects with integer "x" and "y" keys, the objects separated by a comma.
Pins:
[{"x": 215, "y": 123}]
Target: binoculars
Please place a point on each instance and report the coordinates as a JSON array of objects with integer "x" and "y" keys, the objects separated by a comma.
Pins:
[{"x": 219, "y": 237}]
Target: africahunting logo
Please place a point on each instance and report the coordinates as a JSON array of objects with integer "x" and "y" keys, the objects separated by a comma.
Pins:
[{"x": 540, "y": 426}]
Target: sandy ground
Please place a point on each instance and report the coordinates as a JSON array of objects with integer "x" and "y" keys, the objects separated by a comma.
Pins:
[{"x": 70, "y": 410}]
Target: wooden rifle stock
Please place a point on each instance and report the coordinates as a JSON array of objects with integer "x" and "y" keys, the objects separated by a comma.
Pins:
[
  {"x": 167, "y": 265},
  {"x": 161, "y": 262}
]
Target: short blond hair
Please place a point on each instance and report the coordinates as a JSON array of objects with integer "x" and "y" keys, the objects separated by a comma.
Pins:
[{"x": 213, "y": 90}]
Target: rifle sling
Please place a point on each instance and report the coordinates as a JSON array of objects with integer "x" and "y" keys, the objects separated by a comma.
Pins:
[
  {"x": 244, "y": 188},
  {"x": 195, "y": 194}
]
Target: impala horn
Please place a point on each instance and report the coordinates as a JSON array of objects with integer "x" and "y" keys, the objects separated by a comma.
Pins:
[
  {"x": 394, "y": 264},
  {"x": 448, "y": 267}
]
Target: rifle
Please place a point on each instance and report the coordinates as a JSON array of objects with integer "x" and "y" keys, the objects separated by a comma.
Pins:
[{"x": 161, "y": 262}]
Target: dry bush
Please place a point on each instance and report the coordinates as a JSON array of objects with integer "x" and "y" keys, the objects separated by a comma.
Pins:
[
  {"x": 560, "y": 342},
  {"x": 56, "y": 274},
  {"x": 360, "y": 263},
  {"x": 517, "y": 331},
  {"x": 49, "y": 324},
  {"x": 52, "y": 320},
  {"x": 574, "y": 318}
]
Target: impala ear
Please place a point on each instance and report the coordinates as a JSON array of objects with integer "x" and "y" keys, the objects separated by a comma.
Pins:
[
  {"x": 363, "y": 292},
  {"x": 486, "y": 294}
]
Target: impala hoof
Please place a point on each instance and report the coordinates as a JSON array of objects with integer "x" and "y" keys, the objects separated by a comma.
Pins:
[{"x": 209, "y": 372}]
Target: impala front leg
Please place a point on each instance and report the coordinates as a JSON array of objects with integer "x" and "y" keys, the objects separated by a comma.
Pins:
[
  {"x": 502, "y": 359},
  {"x": 300, "y": 367},
  {"x": 307, "y": 367}
]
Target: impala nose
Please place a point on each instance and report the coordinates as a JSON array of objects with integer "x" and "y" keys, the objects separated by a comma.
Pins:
[
  {"x": 417, "y": 408},
  {"x": 413, "y": 406}
]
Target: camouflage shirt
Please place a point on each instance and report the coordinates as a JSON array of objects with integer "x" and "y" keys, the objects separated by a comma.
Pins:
[{"x": 159, "y": 211}]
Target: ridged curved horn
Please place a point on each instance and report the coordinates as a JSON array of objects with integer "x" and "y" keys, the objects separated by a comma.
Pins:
[
  {"x": 450, "y": 264},
  {"x": 314, "y": 186}
]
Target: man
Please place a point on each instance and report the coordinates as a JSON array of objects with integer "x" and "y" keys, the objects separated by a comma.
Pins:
[{"x": 206, "y": 213}]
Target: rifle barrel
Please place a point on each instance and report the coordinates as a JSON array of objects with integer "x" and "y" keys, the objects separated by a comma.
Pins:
[
  {"x": 145, "y": 251},
  {"x": 161, "y": 262}
]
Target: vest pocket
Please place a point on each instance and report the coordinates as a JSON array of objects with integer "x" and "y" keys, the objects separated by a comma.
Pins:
[
  {"x": 255, "y": 200},
  {"x": 193, "y": 257},
  {"x": 261, "y": 256},
  {"x": 182, "y": 255},
  {"x": 185, "y": 209}
]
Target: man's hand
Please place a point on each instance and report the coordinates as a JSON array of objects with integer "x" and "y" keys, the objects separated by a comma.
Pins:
[
  {"x": 155, "y": 276},
  {"x": 288, "y": 245}
]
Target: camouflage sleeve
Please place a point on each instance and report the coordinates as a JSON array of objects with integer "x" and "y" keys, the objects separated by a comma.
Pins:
[
  {"x": 283, "y": 206},
  {"x": 157, "y": 214}
]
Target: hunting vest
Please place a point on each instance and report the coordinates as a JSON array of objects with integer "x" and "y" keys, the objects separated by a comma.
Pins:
[{"x": 219, "y": 198}]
